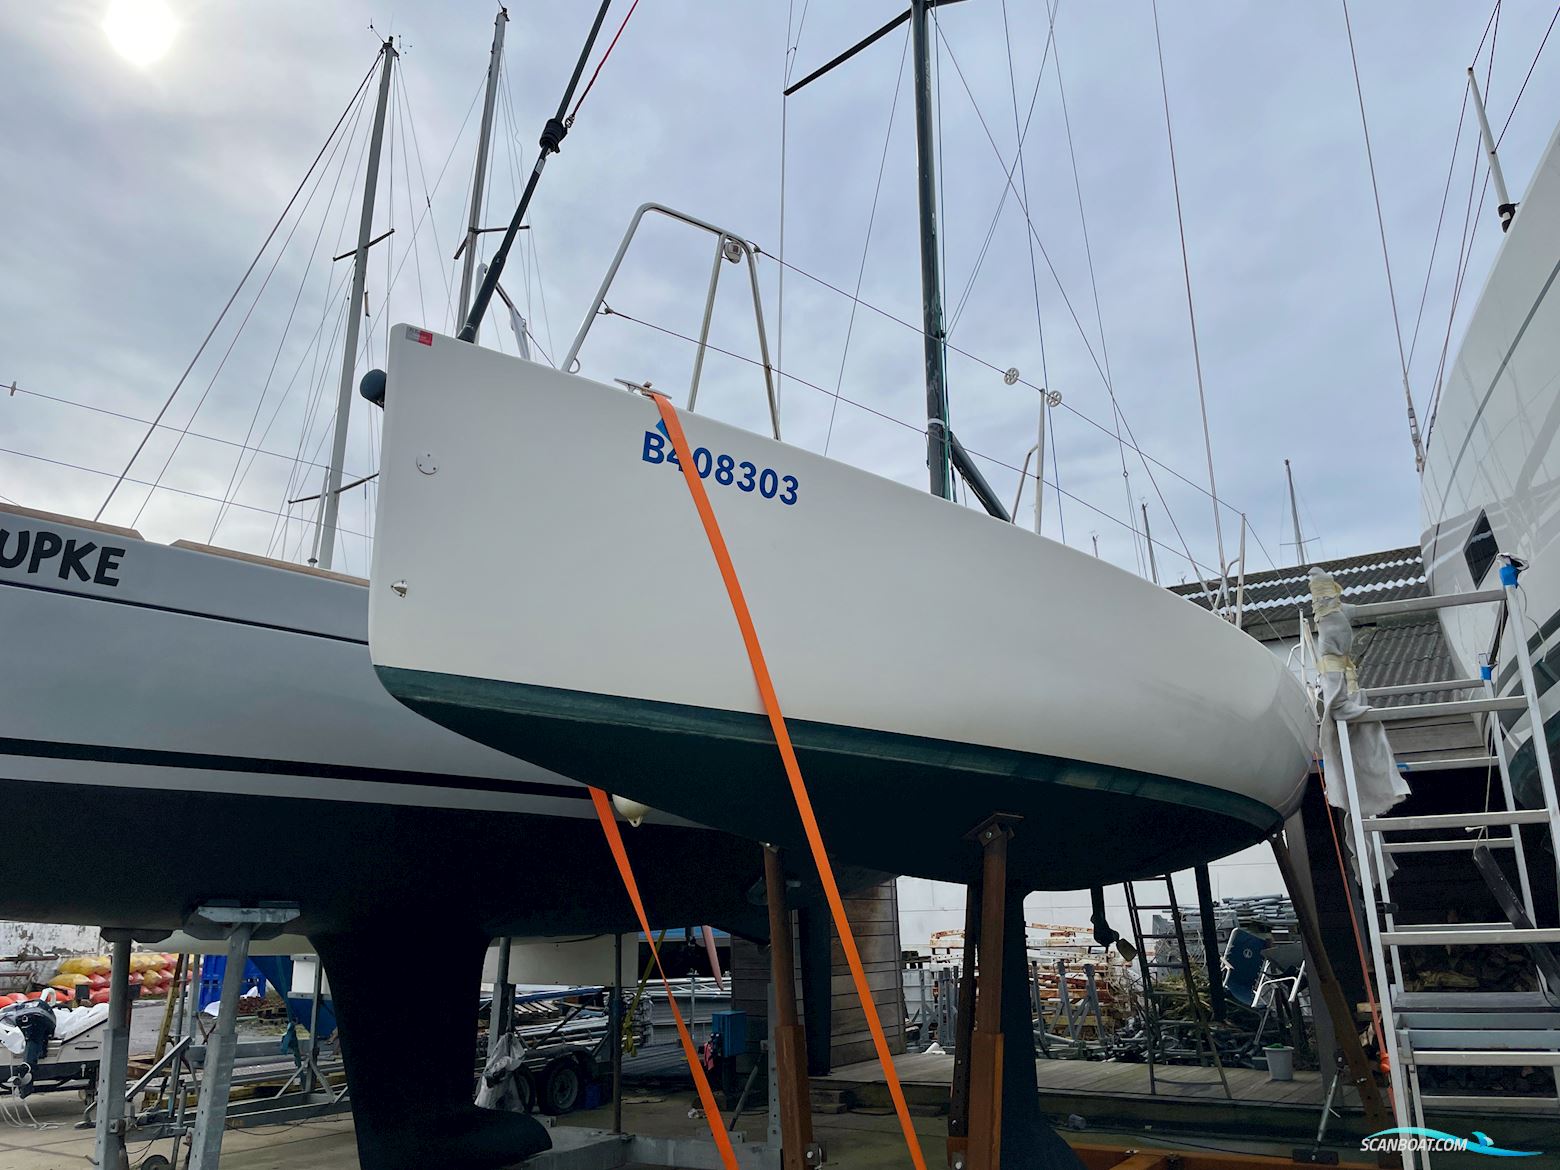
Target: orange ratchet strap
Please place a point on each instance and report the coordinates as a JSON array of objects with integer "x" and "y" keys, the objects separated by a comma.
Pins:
[
  {"x": 603, "y": 803},
  {"x": 766, "y": 691}
]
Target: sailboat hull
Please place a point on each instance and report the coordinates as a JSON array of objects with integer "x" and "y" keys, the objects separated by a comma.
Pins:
[
  {"x": 1491, "y": 481},
  {"x": 542, "y": 584},
  {"x": 187, "y": 726}
]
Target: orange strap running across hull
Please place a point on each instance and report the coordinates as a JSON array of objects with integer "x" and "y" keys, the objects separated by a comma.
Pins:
[
  {"x": 793, "y": 771},
  {"x": 603, "y": 803}
]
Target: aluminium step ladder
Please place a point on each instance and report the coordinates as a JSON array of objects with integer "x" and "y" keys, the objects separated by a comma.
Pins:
[{"x": 1459, "y": 1029}]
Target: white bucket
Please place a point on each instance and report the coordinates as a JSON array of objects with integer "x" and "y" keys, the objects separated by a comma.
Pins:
[{"x": 1280, "y": 1062}]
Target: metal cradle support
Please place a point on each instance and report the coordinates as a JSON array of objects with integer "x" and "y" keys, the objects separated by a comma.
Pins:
[
  {"x": 240, "y": 924},
  {"x": 108, "y": 1146}
]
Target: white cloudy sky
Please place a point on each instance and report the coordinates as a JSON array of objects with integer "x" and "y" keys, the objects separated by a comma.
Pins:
[
  {"x": 138, "y": 195},
  {"x": 135, "y": 197}
]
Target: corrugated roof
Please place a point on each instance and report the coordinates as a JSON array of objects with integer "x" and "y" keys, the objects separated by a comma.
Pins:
[
  {"x": 1276, "y": 599},
  {"x": 1389, "y": 652}
]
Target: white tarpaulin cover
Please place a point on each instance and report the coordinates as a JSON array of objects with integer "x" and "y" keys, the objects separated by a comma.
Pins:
[
  {"x": 498, "y": 1089},
  {"x": 1375, "y": 770}
]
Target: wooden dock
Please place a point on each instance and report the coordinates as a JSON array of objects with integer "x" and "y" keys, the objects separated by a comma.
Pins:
[{"x": 1112, "y": 1095}]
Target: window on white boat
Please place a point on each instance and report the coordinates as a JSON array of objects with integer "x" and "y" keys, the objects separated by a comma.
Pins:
[{"x": 1480, "y": 550}]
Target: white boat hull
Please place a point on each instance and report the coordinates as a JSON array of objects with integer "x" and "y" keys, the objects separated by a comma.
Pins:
[
  {"x": 542, "y": 583},
  {"x": 1492, "y": 453}
]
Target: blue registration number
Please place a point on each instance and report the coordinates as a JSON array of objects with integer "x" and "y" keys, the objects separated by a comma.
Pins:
[{"x": 725, "y": 470}]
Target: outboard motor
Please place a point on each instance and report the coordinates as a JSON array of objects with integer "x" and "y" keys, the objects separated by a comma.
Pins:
[{"x": 33, "y": 1023}]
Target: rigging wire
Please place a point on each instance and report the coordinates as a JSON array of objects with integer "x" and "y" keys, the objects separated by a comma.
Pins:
[
  {"x": 1099, "y": 316},
  {"x": 569, "y": 121},
  {"x": 362, "y": 86},
  {"x": 406, "y": 172},
  {"x": 1191, "y": 312},
  {"x": 1381, "y": 226},
  {"x": 793, "y": 42},
  {"x": 608, "y": 311},
  {"x": 1529, "y": 77},
  {"x": 1073, "y": 313},
  {"x": 866, "y": 243},
  {"x": 1435, "y": 244},
  {"x": 233, "y": 477},
  {"x": 227, "y": 353},
  {"x": 1023, "y": 173},
  {"x": 143, "y": 483},
  {"x": 1470, "y": 232},
  {"x": 996, "y": 216},
  {"x": 1131, "y": 440},
  {"x": 105, "y": 411}
]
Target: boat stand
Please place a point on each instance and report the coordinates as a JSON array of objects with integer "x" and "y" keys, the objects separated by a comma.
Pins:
[
  {"x": 788, "y": 1040},
  {"x": 984, "y": 1148},
  {"x": 240, "y": 925},
  {"x": 108, "y": 1145},
  {"x": 1339, "y": 1010}
]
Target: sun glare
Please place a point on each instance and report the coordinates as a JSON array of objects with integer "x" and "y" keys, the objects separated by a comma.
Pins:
[{"x": 141, "y": 31}]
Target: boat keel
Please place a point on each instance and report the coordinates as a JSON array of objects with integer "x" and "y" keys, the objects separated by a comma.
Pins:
[{"x": 411, "y": 1118}]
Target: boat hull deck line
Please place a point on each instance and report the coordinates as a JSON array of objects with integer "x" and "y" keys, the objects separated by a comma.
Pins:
[{"x": 588, "y": 632}]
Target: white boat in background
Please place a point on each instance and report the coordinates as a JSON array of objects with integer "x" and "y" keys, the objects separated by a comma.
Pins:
[
  {"x": 1491, "y": 481},
  {"x": 588, "y": 631}
]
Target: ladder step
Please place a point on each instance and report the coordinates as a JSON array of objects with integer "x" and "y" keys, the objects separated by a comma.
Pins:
[
  {"x": 1447, "y": 765},
  {"x": 1378, "y": 609},
  {"x": 1484, "y": 1039},
  {"x": 1524, "y": 1104},
  {"x": 1446, "y": 846},
  {"x": 1455, "y": 926},
  {"x": 1450, "y": 684},
  {"x": 1476, "y": 1001},
  {"x": 1430, "y": 710},
  {"x": 1473, "y": 1023},
  {"x": 1450, "y": 936},
  {"x": 1486, "y": 1058},
  {"x": 1536, "y": 816}
]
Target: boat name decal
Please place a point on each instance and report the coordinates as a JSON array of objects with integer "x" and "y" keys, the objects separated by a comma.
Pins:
[
  {"x": 726, "y": 470},
  {"x": 42, "y": 550}
]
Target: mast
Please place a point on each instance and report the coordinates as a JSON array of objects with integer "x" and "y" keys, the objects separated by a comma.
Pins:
[
  {"x": 338, "y": 447},
  {"x": 1294, "y": 513},
  {"x": 1503, "y": 205},
  {"x": 937, "y": 437},
  {"x": 944, "y": 452},
  {"x": 474, "y": 223}
]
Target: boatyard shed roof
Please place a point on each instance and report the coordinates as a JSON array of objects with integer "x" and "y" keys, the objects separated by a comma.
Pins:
[
  {"x": 1392, "y": 651},
  {"x": 1276, "y": 599}
]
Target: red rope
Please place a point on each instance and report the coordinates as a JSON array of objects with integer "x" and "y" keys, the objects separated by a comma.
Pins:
[
  {"x": 1359, "y": 938},
  {"x": 599, "y": 64}
]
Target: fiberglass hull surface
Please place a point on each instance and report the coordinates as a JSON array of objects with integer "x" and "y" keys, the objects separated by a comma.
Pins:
[
  {"x": 183, "y": 727},
  {"x": 935, "y": 665},
  {"x": 1491, "y": 453}
]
